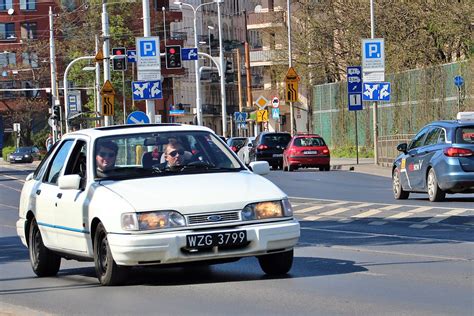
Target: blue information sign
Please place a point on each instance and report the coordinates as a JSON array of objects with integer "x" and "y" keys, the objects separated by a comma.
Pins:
[
  {"x": 376, "y": 91},
  {"x": 146, "y": 90},
  {"x": 138, "y": 117},
  {"x": 354, "y": 88},
  {"x": 189, "y": 53}
]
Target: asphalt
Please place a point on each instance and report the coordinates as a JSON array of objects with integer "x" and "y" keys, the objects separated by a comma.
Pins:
[{"x": 365, "y": 165}]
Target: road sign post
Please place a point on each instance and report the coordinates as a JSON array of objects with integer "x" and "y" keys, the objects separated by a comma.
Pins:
[{"x": 354, "y": 98}]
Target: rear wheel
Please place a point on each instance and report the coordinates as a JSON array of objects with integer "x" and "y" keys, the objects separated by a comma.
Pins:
[
  {"x": 43, "y": 261},
  {"x": 276, "y": 263},
  {"x": 108, "y": 272},
  {"x": 398, "y": 192},
  {"x": 435, "y": 194}
]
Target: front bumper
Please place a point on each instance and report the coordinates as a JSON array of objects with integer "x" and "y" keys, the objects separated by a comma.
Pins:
[
  {"x": 164, "y": 248},
  {"x": 20, "y": 159},
  {"x": 20, "y": 230}
]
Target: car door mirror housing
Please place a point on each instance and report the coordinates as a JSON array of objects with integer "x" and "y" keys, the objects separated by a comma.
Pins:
[
  {"x": 29, "y": 177},
  {"x": 260, "y": 167},
  {"x": 402, "y": 147},
  {"x": 70, "y": 182},
  {"x": 250, "y": 144}
]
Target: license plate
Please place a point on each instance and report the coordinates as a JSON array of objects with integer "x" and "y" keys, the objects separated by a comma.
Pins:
[
  {"x": 310, "y": 152},
  {"x": 235, "y": 238},
  {"x": 18, "y": 158},
  {"x": 277, "y": 155}
]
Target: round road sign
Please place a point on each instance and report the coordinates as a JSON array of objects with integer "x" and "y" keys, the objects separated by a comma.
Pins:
[{"x": 275, "y": 102}]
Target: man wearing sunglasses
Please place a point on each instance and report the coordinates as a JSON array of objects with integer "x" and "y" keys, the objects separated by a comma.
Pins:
[
  {"x": 174, "y": 155},
  {"x": 105, "y": 157}
]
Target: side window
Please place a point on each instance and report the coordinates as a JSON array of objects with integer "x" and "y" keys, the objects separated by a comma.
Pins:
[
  {"x": 442, "y": 137},
  {"x": 58, "y": 163},
  {"x": 418, "y": 140},
  {"x": 77, "y": 160},
  {"x": 432, "y": 137}
]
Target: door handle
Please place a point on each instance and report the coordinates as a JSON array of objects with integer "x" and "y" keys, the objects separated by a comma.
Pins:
[
  {"x": 38, "y": 192},
  {"x": 59, "y": 195}
]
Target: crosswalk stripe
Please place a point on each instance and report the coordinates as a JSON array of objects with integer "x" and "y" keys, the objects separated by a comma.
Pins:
[
  {"x": 440, "y": 217},
  {"x": 390, "y": 207},
  {"x": 336, "y": 211},
  {"x": 309, "y": 209},
  {"x": 312, "y": 218},
  {"x": 408, "y": 213},
  {"x": 366, "y": 214}
]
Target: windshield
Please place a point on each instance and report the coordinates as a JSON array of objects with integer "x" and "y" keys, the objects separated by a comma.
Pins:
[
  {"x": 308, "y": 142},
  {"x": 23, "y": 150},
  {"x": 237, "y": 142},
  {"x": 276, "y": 139},
  {"x": 465, "y": 135},
  {"x": 167, "y": 153}
]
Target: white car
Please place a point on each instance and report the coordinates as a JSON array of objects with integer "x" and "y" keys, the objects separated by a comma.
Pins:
[
  {"x": 243, "y": 152},
  {"x": 141, "y": 210}
]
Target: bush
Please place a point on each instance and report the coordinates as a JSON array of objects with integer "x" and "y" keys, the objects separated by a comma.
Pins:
[
  {"x": 6, "y": 151},
  {"x": 39, "y": 138},
  {"x": 350, "y": 152}
]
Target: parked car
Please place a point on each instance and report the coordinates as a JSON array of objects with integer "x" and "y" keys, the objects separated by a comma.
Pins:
[
  {"x": 306, "y": 151},
  {"x": 244, "y": 152},
  {"x": 96, "y": 197},
  {"x": 438, "y": 160},
  {"x": 24, "y": 154},
  {"x": 235, "y": 143},
  {"x": 269, "y": 147}
]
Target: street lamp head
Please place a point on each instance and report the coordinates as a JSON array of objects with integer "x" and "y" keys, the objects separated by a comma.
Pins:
[
  {"x": 210, "y": 27},
  {"x": 180, "y": 4}
]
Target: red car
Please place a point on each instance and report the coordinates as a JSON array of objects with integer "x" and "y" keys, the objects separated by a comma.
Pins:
[{"x": 306, "y": 151}]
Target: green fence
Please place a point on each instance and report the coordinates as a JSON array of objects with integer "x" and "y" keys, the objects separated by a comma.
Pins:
[{"x": 417, "y": 97}]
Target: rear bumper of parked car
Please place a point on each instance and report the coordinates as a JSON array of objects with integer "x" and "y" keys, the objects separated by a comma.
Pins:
[
  {"x": 452, "y": 178},
  {"x": 169, "y": 247},
  {"x": 302, "y": 161},
  {"x": 20, "y": 159},
  {"x": 270, "y": 158}
]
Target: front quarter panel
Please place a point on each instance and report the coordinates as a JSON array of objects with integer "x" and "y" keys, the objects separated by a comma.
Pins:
[{"x": 107, "y": 207}]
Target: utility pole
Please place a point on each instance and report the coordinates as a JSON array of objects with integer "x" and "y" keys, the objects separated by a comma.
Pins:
[
  {"x": 290, "y": 64},
  {"x": 247, "y": 64},
  {"x": 52, "y": 63},
  {"x": 150, "y": 104},
  {"x": 98, "y": 110},
  {"x": 375, "y": 117},
  {"x": 221, "y": 57},
  {"x": 108, "y": 120}
]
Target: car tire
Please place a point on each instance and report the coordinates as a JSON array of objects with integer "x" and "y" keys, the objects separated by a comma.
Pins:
[
  {"x": 284, "y": 165},
  {"x": 108, "y": 272},
  {"x": 43, "y": 261},
  {"x": 398, "y": 192},
  {"x": 290, "y": 168},
  {"x": 277, "y": 263},
  {"x": 435, "y": 194}
]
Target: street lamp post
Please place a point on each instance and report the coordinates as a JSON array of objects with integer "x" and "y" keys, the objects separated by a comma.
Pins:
[
  {"x": 196, "y": 62},
  {"x": 221, "y": 57}
]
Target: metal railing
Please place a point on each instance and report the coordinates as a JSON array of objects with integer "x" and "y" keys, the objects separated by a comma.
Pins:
[
  {"x": 266, "y": 56},
  {"x": 387, "y": 147}
]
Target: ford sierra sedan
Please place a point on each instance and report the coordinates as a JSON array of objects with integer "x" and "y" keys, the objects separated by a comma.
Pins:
[{"x": 148, "y": 195}]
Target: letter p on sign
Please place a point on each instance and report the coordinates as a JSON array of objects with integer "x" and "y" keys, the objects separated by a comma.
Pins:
[
  {"x": 372, "y": 50},
  {"x": 148, "y": 48}
]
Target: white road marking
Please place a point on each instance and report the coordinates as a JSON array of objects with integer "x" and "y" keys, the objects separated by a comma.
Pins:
[
  {"x": 14, "y": 178},
  {"x": 367, "y": 214},
  {"x": 312, "y": 218},
  {"x": 11, "y": 188},
  {"x": 440, "y": 217},
  {"x": 336, "y": 211},
  {"x": 409, "y": 213},
  {"x": 390, "y": 207},
  {"x": 9, "y": 206},
  {"x": 311, "y": 208}
]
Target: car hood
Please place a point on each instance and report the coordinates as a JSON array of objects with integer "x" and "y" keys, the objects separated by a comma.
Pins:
[
  {"x": 196, "y": 193},
  {"x": 19, "y": 154}
]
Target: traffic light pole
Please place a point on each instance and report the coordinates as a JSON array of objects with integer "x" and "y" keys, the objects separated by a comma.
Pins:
[
  {"x": 221, "y": 57},
  {"x": 52, "y": 62}
]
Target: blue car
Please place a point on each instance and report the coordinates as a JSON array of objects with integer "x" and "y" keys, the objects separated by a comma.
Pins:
[{"x": 438, "y": 160}]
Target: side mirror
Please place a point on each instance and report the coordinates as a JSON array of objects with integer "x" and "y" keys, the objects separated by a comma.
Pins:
[
  {"x": 70, "y": 182},
  {"x": 402, "y": 147},
  {"x": 260, "y": 167},
  {"x": 250, "y": 145},
  {"x": 29, "y": 177}
]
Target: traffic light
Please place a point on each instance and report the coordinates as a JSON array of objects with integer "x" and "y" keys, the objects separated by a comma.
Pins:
[
  {"x": 228, "y": 67},
  {"x": 119, "y": 62},
  {"x": 56, "y": 112},
  {"x": 173, "y": 57}
]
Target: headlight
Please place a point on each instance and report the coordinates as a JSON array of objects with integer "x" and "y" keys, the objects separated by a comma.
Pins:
[
  {"x": 152, "y": 220},
  {"x": 265, "y": 210},
  {"x": 26, "y": 155}
]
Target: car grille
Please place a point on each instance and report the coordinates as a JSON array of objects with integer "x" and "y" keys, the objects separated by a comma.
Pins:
[{"x": 209, "y": 218}]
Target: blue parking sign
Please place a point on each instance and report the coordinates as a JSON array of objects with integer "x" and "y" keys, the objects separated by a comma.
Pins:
[{"x": 147, "y": 48}]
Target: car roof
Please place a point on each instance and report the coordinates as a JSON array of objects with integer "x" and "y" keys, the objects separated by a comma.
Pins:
[
  {"x": 136, "y": 129},
  {"x": 451, "y": 123}
]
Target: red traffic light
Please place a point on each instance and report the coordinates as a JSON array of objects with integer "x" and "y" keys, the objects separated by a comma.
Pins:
[{"x": 172, "y": 51}]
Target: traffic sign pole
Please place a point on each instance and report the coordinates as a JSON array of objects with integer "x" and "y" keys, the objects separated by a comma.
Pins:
[{"x": 376, "y": 133}]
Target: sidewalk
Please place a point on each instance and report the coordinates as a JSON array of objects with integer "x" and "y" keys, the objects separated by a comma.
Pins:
[{"x": 366, "y": 165}]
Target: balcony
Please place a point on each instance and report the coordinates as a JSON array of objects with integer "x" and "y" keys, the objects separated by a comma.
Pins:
[
  {"x": 268, "y": 57},
  {"x": 264, "y": 20}
]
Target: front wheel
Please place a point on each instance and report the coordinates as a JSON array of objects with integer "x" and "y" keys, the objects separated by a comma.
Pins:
[
  {"x": 435, "y": 194},
  {"x": 43, "y": 261},
  {"x": 398, "y": 192},
  {"x": 108, "y": 272},
  {"x": 276, "y": 263}
]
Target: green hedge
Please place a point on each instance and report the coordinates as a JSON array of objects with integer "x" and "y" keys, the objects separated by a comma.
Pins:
[
  {"x": 6, "y": 151},
  {"x": 350, "y": 152}
]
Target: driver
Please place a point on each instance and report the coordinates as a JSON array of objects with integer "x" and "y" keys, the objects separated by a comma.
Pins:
[
  {"x": 106, "y": 153},
  {"x": 174, "y": 155}
]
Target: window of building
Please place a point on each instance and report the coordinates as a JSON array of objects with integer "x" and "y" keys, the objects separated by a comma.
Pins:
[
  {"x": 29, "y": 30},
  {"x": 7, "y": 31},
  {"x": 27, "y": 4},
  {"x": 5, "y": 5},
  {"x": 30, "y": 59},
  {"x": 7, "y": 58}
]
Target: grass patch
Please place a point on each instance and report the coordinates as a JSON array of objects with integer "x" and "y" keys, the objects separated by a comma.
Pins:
[{"x": 350, "y": 152}]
